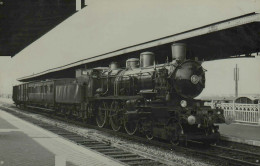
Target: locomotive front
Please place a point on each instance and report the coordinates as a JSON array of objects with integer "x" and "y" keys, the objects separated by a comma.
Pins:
[
  {"x": 187, "y": 77},
  {"x": 187, "y": 80}
]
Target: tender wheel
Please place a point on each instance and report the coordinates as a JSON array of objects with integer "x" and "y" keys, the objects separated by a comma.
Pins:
[
  {"x": 131, "y": 126},
  {"x": 115, "y": 116},
  {"x": 84, "y": 116},
  {"x": 101, "y": 116},
  {"x": 149, "y": 135},
  {"x": 67, "y": 114},
  {"x": 175, "y": 141}
]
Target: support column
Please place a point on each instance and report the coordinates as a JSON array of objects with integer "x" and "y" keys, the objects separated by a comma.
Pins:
[
  {"x": 234, "y": 110},
  {"x": 78, "y": 5},
  {"x": 258, "y": 112},
  {"x": 236, "y": 78}
]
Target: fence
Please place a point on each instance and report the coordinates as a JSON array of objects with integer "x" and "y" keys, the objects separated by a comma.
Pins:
[{"x": 248, "y": 113}]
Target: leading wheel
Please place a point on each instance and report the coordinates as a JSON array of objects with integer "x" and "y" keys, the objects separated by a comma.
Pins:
[
  {"x": 101, "y": 116},
  {"x": 176, "y": 130}
]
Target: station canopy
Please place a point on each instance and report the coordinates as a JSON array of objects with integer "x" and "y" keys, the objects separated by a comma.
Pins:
[
  {"x": 116, "y": 30},
  {"x": 24, "y": 21}
]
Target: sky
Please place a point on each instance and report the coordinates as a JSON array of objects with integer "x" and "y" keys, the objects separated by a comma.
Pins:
[
  {"x": 7, "y": 75},
  {"x": 220, "y": 77},
  {"x": 105, "y": 26}
]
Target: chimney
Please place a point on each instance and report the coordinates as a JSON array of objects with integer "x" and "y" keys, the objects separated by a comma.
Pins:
[{"x": 179, "y": 51}]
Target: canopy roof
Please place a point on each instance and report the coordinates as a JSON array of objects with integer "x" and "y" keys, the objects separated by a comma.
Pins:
[
  {"x": 106, "y": 29},
  {"x": 24, "y": 21}
]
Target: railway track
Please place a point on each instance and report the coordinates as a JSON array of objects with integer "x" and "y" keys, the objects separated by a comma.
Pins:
[
  {"x": 230, "y": 156},
  {"x": 126, "y": 156},
  {"x": 238, "y": 157},
  {"x": 221, "y": 154}
]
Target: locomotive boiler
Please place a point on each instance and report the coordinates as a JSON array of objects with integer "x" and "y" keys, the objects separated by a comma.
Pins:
[{"x": 154, "y": 99}]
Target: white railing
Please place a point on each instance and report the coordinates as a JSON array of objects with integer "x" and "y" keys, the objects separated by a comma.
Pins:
[
  {"x": 228, "y": 109},
  {"x": 248, "y": 113}
]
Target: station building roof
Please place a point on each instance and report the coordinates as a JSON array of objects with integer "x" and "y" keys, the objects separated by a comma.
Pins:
[{"x": 105, "y": 29}]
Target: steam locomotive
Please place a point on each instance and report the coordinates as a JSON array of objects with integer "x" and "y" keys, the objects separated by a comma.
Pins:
[{"x": 154, "y": 99}]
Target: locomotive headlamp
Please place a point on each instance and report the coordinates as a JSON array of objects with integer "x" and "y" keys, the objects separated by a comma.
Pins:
[
  {"x": 195, "y": 79},
  {"x": 218, "y": 112},
  {"x": 184, "y": 103},
  {"x": 191, "y": 120}
]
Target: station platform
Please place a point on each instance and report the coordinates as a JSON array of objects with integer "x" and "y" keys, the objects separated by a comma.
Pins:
[
  {"x": 24, "y": 144},
  {"x": 242, "y": 133}
]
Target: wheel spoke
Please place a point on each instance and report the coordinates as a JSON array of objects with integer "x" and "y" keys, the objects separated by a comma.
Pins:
[{"x": 115, "y": 118}]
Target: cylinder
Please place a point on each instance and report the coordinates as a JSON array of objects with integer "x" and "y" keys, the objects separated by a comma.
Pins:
[
  {"x": 179, "y": 51},
  {"x": 147, "y": 59},
  {"x": 132, "y": 63}
]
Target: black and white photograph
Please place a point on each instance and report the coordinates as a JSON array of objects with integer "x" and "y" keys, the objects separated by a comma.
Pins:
[{"x": 129, "y": 82}]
